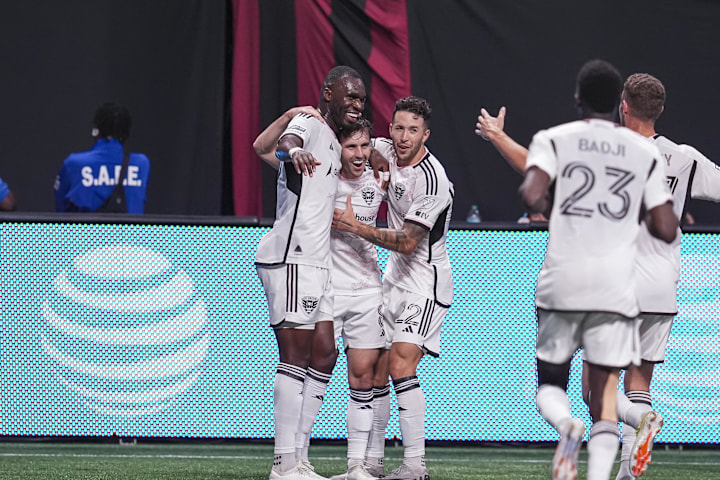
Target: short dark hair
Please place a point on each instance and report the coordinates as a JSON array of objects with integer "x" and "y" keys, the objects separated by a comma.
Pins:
[
  {"x": 418, "y": 106},
  {"x": 338, "y": 72},
  {"x": 360, "y": 125},
  {"x": 112, "y": 120},
  {"x": 645, "y": 95},
  {"x": 599, "y": 85}
]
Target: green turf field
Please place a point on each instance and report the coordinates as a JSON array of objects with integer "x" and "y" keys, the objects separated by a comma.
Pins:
[{"x": 197, "y": 461}]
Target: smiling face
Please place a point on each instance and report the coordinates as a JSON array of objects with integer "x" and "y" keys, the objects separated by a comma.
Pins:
[
  {"x": 355, "y": 153},
  {"x": 345, "y": 102},
  {"x": 409, "y": 133}
]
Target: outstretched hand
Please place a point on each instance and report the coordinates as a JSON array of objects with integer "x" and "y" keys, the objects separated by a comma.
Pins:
[
  {"x": 488, "y": 126},
  {"x": 344, "y": 220}
]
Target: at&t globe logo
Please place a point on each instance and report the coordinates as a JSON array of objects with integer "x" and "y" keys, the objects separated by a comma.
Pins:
[{"x": 125, "y": 329}]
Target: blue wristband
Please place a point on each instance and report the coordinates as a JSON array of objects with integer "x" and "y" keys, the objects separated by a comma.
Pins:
[{"x": 282, "y": 155}]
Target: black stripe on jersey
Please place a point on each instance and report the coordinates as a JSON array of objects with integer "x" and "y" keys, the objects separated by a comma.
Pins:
[
  {"x": 552, "y": 142},
  {"x": 652, "y": 167},
  {"x": 438, "y": 230},
  {"x": 431, "y": 179},
  {"x": 435, "y": 281},
  {"x": 291, "y": 288},
  {"x": 304, "y": 115},
  {"x": 293, "y": 180},
  {"x": 688, "y": 192}
]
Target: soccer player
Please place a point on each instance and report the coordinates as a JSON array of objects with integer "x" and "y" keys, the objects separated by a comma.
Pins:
[
  {"x": 293, "y": 263},
  {"x": 356, "y": 280},
  {"x": 585, "y": 295},
  {"x": 417, "y": 286},
  {"x": 688, "y": 172}
]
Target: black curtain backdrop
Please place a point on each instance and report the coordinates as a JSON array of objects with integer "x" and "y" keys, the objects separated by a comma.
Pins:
[
  {"x": 525, "y": 54},
  {"x": 169, "y": 63},
  {"x": 165, "y": 60},
  {"x": 467, "y": 54}
]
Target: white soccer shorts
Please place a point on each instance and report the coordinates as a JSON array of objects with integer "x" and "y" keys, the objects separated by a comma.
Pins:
[
  {"x": 654, "y": 333},
  {"x": 298, "y": 296},
  {"x": 412, "y": 318},
  {"x": 358, "y": 319},
  {"x": 608, "y": 339}
]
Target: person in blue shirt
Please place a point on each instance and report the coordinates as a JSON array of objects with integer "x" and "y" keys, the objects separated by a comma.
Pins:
[
  {"x": 7, "y": 199},
  {"x": 87, "y": 179}
]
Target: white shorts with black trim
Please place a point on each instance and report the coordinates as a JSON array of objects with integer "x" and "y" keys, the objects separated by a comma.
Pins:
[
  {"x": 608, "y": 339},
  {"x": 298, "y": 296},
  {"x": 358, "y": 318},
  {"x": 412, "y": 318},
  {"x": 654, "y": 333}
]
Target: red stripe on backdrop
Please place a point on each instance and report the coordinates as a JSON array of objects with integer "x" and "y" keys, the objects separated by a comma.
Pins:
[
  {"x": 246, "y": 167},
  {"x": 389, "y": 59},
  {"x": 314, "y": 48}
]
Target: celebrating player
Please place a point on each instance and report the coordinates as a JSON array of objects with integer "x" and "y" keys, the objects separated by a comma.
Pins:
[
  {"x": 417, "y": 286},
  {"x": 293, "y": 263}
]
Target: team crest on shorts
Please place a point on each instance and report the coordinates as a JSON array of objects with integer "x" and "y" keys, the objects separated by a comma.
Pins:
[
  {"x": 399, "y": 190},
  {"x": 309, "y": 303},
  {"x": 368, "y": 194}
]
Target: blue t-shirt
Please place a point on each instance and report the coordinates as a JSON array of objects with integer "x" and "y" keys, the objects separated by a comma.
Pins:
[
  {"x": 4, "y": 190},
  {"x": 88, "y": 178}
]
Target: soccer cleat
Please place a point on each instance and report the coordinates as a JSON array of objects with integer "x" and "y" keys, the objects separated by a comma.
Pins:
[
  {"x": 359, "y": 472},
  {"x": 377, "y": 471},
  {"x": 292, "y": 474},
  {"x": 408, "y": 472},
  {"x": 641, "y": 451},
  {"x": 308, "y": 471},
  {"x": 564, "y": 463}
]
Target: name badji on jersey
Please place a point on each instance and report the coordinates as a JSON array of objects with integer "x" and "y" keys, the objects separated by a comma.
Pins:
[{"x": 103, "y": 178}]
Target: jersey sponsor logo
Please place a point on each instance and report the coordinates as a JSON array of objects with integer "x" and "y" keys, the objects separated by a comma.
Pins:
[
  {"x": 368, "y": 194},
  {"x": 399, "y": 190},
  {"x": 672, "y": 182},
  {"x": 296, "y": 128},
  {"x": 602, "y": 147},
  {"x": 422, "y": 215},
  {"x": 309, "y": 303},
  {"x": 365, "y": 218},
  {"x": 104, "y": 179}
]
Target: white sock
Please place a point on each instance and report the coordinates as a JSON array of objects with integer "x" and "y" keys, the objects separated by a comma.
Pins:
[
  {"x": 287, "y": 403},
  {"x": 553, "y": 404},
  {"x": 381, "y": 417},
  {"x": 411, "y": 407},
  {"x": 633, "y": 406},
  {"x": 313, "y": 394},
  {"x": 602, "y": 448},
  {"x": 359, "y": 424}
]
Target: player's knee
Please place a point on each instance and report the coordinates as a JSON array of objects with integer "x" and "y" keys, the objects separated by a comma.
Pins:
[{"x": 556, "y": 374}]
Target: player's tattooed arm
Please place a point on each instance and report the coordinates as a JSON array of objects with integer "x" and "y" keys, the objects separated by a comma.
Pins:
[{"x": 403, "y": 241}]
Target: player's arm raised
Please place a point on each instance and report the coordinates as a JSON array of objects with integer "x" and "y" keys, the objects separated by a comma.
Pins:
[
  {"x": 403, "y": 241},
  {"x": 266, "y": 143},
  {"x": 492, "y": 129}
]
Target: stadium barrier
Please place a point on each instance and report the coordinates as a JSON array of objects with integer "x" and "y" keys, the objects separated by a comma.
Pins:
[{"x": 156, "y": 326}]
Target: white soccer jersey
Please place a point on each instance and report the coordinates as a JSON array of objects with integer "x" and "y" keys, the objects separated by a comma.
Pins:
[
  {"x": 355, "y": 268},
  {"x": 421, "y": 194},
  {"x": 602, "y": 175},
  {"x": 688, "y": 173},
  {"x": 305, "y": 205}
]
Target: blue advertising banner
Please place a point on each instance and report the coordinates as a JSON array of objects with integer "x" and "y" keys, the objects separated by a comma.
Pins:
[{"x": 162, "y": 331}]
